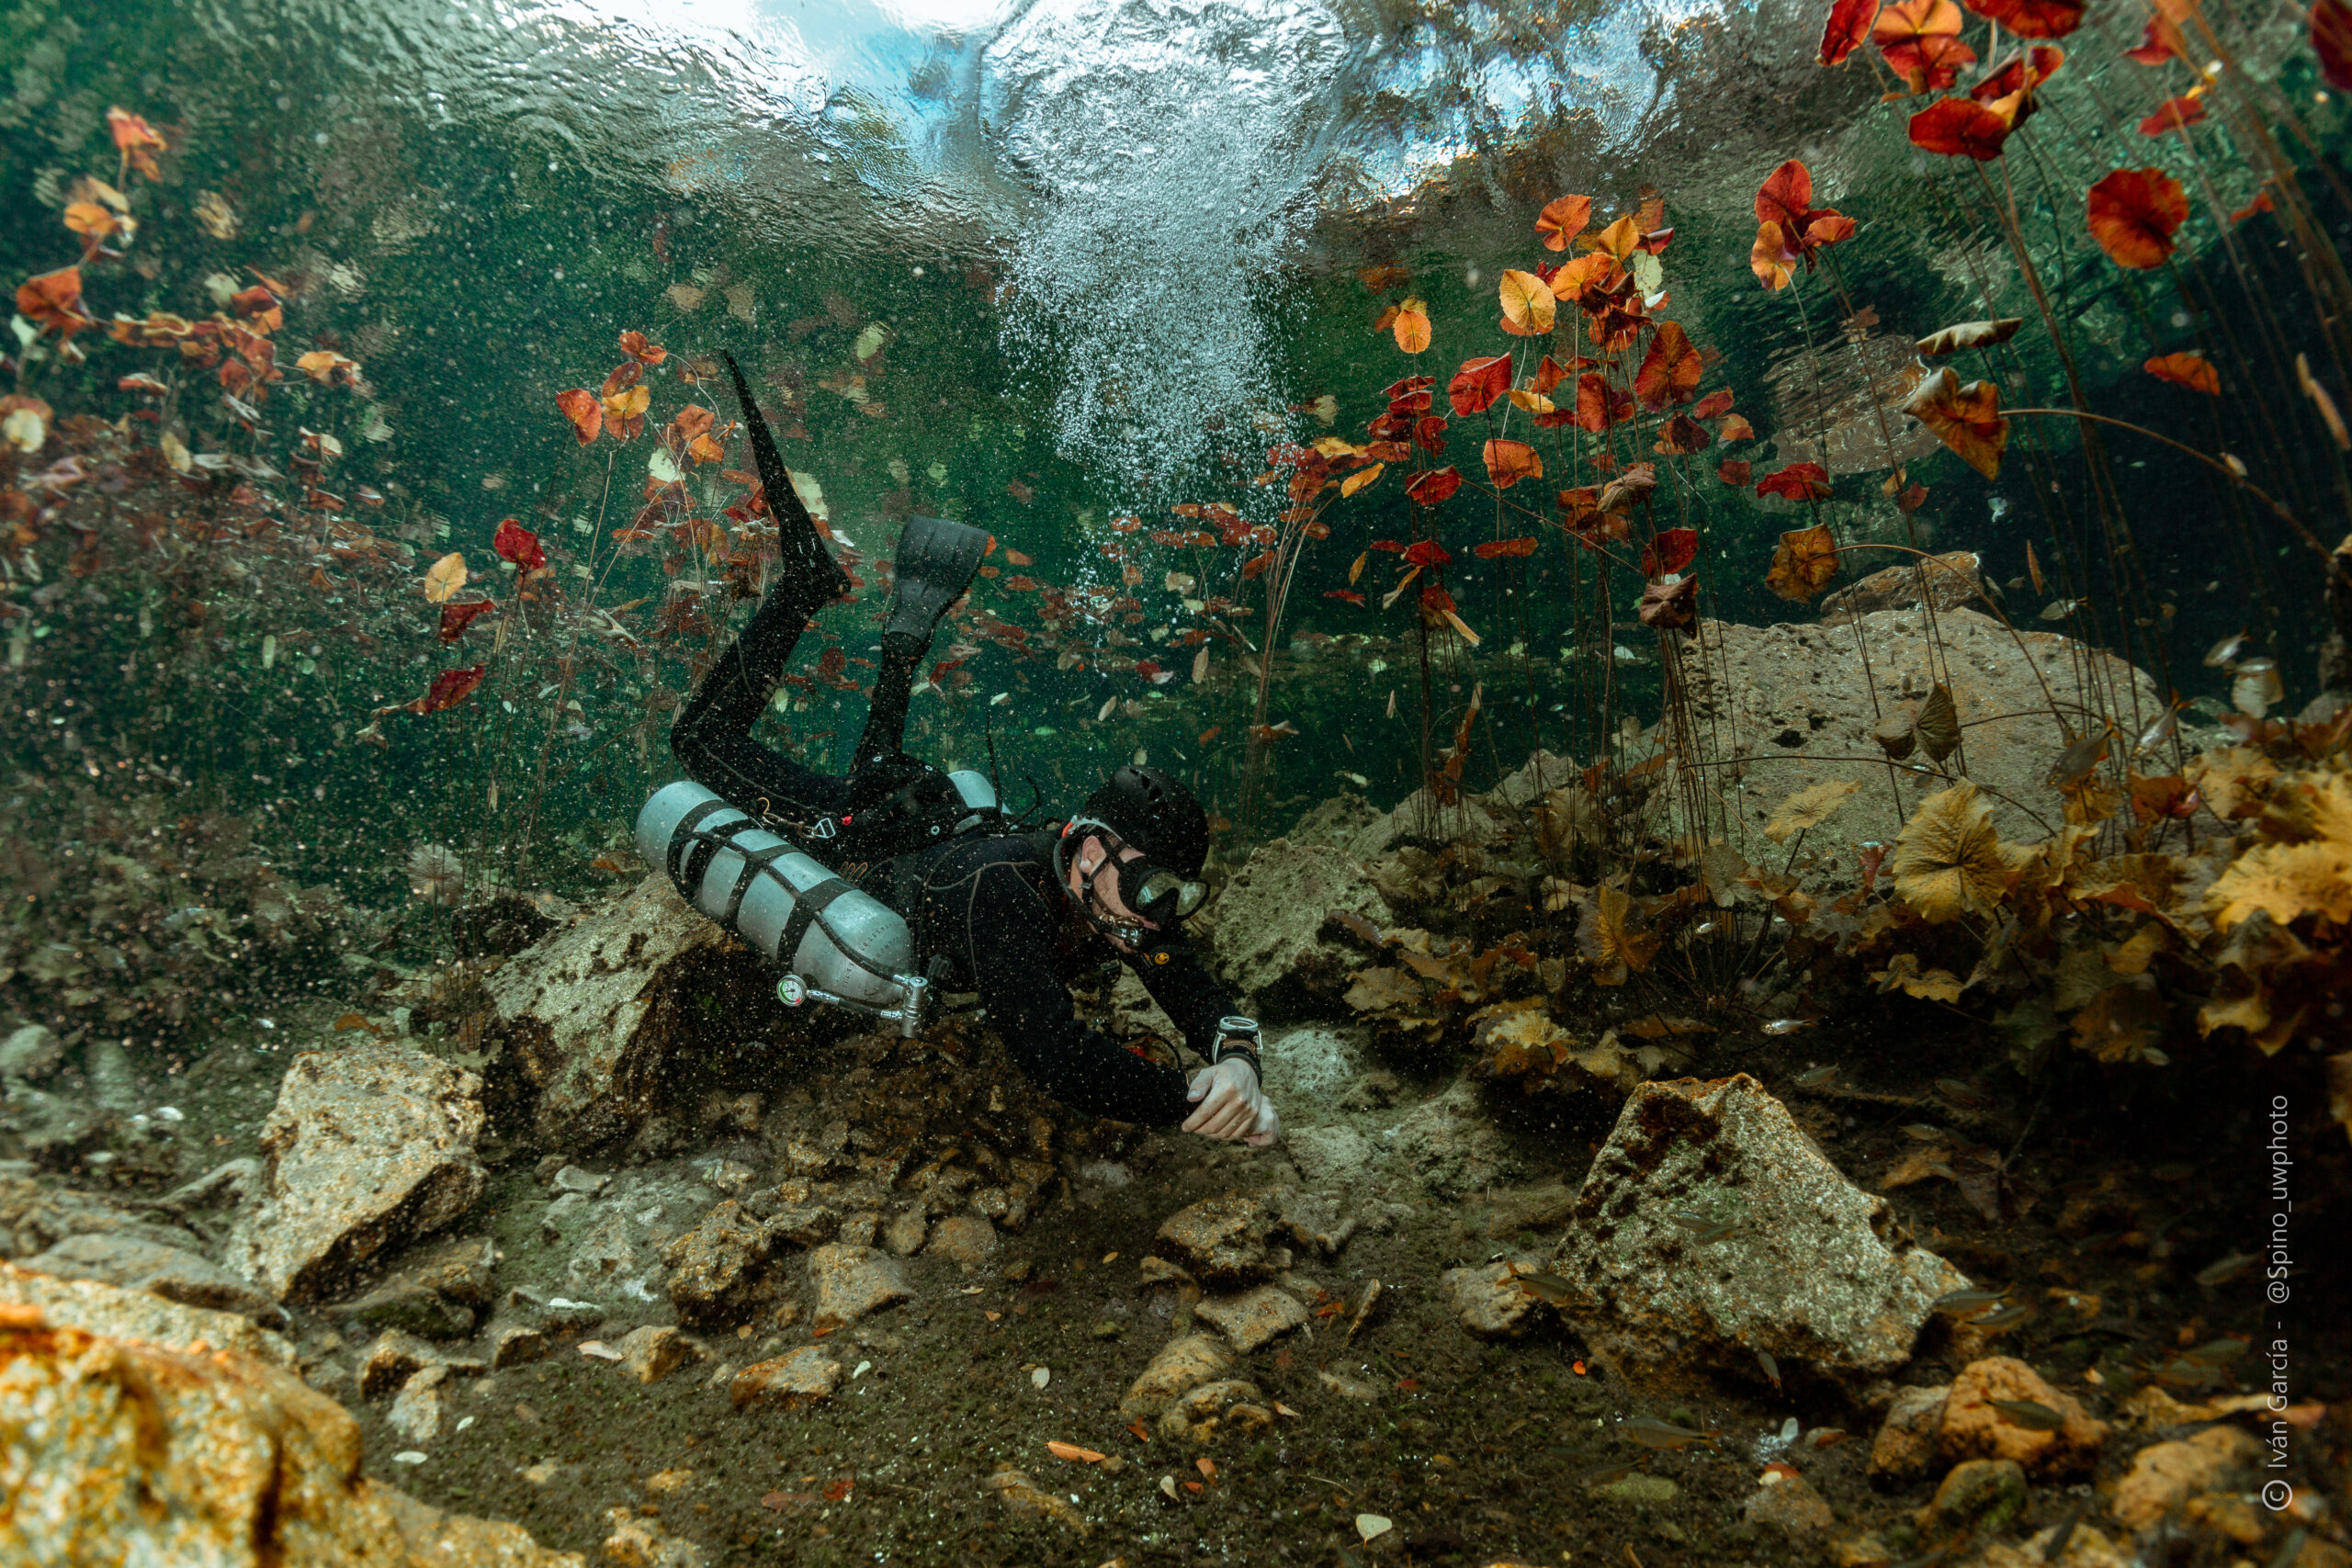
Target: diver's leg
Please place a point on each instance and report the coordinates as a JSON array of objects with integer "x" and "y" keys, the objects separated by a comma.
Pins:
[
  {"x": 936, "y": 562},
  {"x": 886, "y": 718},
  {"x": 712, "y": 739}
]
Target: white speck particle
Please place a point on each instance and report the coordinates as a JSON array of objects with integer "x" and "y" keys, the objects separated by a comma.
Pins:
[
  {"x": 1040, "y": 1378},
  {"x": 465, "y": 1423},
  {"x": 408, "y": 1456},
  {"x": 863, "y": 1368},
  {"x": 169, "y": 1113}
]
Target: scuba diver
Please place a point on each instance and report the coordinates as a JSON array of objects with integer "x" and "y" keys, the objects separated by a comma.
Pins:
[{"x": 991, "y": 909}]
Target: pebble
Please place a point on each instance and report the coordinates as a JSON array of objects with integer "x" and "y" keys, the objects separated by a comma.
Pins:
[
  {"x": 1370, "y": 1526},
  {"x": 596, "y": 1349},
  {"x": 408, "y": 1456}
]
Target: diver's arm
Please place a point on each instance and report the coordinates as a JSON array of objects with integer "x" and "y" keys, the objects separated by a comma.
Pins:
[
  {"x": 1182, "y": 987},
  {"x": 1230, "y": 1101},
  {"x": 1013, "y": 963}
]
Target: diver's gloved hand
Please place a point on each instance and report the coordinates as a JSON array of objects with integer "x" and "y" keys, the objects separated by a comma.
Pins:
[{"x": 1233, "y": 1109}]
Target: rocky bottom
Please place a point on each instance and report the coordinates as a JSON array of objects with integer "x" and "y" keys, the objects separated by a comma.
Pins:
[{"x": 865, "y": 1302}]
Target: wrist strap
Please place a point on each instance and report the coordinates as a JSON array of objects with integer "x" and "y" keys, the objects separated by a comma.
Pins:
[{"x": 1227, "y": 1049}]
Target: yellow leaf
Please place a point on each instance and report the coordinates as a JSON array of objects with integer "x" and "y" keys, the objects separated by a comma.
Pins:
[
  {"x": 1360, "y": 479},
  {"x": 1607, "y": 938},
  {"x": 1948, "y": 860},
  {"x": 1620, "y": 238},
  {"x": 1534, "y": 402},
  {"x": 1809, "y": 808},
  {"x": 1332, "y": 446},
  {"x": 1526, "y": 304},
  {"x": 1072, "y": 1452},
  {"x": 1353, "y": 573},
  {"x": 445, "y": 577},
  {"x": 2232, "y": 780},
  {"x": 1201, "y": 665},
  {"x": 1464, "y": 628}
]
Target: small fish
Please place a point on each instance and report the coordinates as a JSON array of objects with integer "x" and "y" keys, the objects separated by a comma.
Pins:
[
  {"x": 2059, "y": 609},
  {"x": 1964, "y": 1301},
  {"x": 1550, "y": 1289},
  {"x": 2226, "y": 1270},
  {"x": 2166, "y": 726},
  {"x": 2030, "y": 1414},
  {"x": 1706, "y": 928},
  {"x": 2081, "y": 755},
  {"x": 1772, "y": 1368},
  {"x": 1814, "y": 1078},
  {"x": 2034, "y": 567},
  {"x": 1356, "y": 779},
  {"x": 1926, "y": 1132},
  {"x": 2184, "y": 1373},
  {"x": 2223, "y": 655},
  {"x": 1927, "y": 1558},
  {"x": 1824, "y": 1438},
  {"x": 2056, "y": 1551},
  {"x": 1653, "y": 1433},
  {"x": 1702, "y": 1229},
  {"x": 1961, "y": 1094},
  {"x": 1787, "y": 1025},
  {"x": 2004, "y": 1317},
  {"x": 1602, "y": 1475},
  {"x": 2216, "y": 1351}
]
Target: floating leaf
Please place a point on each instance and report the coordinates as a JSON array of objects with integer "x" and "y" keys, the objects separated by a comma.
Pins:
[
  {"x": 448, "y": 688},
  {"x": 1411, "y": 326},
  {"x": 456, "y": 616},
  {"x": 1809, "y": 807},
  {"x": 1478, "y": 383},
  {"x": 625, "y": 412},
  {"x": 1499, "y": 549},
  {"x": 444, "y": 578},
  {"x": 517, "y": 544},
  {"x": 1670, "y": 371},
  {"x": 1508, "y": 462},
  {"x": 2134, "y": 214},
  {"x": 1804, "y": 564},
  {"x": 1712, "y": 405},
  {"x": 1961, "y": 127},
  {"x": 1966, "y": 419},
  {"x": 1798, "y": 481},
  {"x": 634, "y": 345},
  {"x": 2032, "y": 19},
  {"x": 1430, "y": 488},
  {"x": 1673, "y": 549},
  {"x": 1526, "y": 304},
  {"x": 1850, "y": 24},
  {"x": 1669, "y": 604},
  {"x": 1735, "y": 427},
  {"x": 2173, "y": 114},
  {"x": 586, "y": 414},
  {"x": 1937, "y": 724},
  {"x": 1948, "y": 860},
  {"x": 1968, "y": 334},
  {"x": 53, "y": 301},
  {"x": 1920, "y": 39},
  {"x": 136, "y": 140},
  {"x": 2193, "y": 371},
  {"x": 1562, "y": 220},
  {"x": 1360, "y": 479}
]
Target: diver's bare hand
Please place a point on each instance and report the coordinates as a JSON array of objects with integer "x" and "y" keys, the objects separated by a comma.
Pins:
[{"x": 1233, "y": 1109}]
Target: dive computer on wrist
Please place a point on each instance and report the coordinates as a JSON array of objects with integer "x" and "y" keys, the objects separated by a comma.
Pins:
[{"x": 1237, "y": 1037}]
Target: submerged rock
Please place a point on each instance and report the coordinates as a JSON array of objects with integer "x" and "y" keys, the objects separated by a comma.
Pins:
[
  {"x": 170, "y": 1273},
  {"x": 1181, "y": 1366},
  {"x": 1228, "y": 1405},
  {"x": 113, "y": 1311},
  {"x": 1253, "y": 1318},
  {"x": 370, "y": 1147},
  {"x": 1277, "y": 937},
  {"x": 801, "y": 1377},
  {"x": 1709, "y": 1227},
  {"x": 587, "y": 1017},
  {"x": 1974, "y": 1427},
  {"x": 1906, "y": 1444},
  {"x": 853, "y": 1281},
  {"x": 2165, "y": 1477},
  {"x": 1488, "y": 1299},
  {"x": 36, "y": 1216},
  {"x": 720, "y": 1269},
  {"x": 1796, "y": 702},
  {"x": 134, "y": 1452},
  {"x": 1221, "y": 1241}
]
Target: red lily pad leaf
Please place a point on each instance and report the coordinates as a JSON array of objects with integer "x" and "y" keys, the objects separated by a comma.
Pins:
[
  {"x": 1670, "y": 371},
  {"x": 1508, "y": 462},
  {"x": 1961, "y": 127},
  {"x": 515, "y": 543},
  {"x": 1428, "y": 489},
  {"x": 1429, "y": 433},
  {"x": 1850, "y": 24},
  {"x": 2331, "y": 42},
  {"x": 1669, "y": 605},
  {"x": 586, "y": 414},
  {"x": 457, "y": 618},
  {"x": 2032, "y": 19},
  {"x": 1798, "y": 481},
  {"x": 1426, "y": 552},
  {"x": 634, "y": 345},
  {"x": 2162, "y": 39},
  {"x": 2134, "y": 214},
  {"x": 1715, "y": 403},
  {"x": 448, "y": 688},
  {"x": 1562, "y": 220},
  {"x": 1478, "y": 383},
  {"x": 2022, "y": 73},
  {"x": 1733, "y": 470},
  {"x": 627, "y": 374},
  {"x": 1350, "y": 595},
  {"x": 1786, "y": 196},
  {"x": 2173, "y": 114},
  {"x": 1673, "y": 549},
  {"x": 2193, "y": 371},
  {"x": 1495, "y": 549},
  {"x": 1682, "y": 436}
]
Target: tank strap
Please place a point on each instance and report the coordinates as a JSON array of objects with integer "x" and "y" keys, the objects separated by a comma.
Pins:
[
  {"x": 806, "y": 908},
  {"x": 691, "y": 848},
  {"x": 755, "y": 865}
]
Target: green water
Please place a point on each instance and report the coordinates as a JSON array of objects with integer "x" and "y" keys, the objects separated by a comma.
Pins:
[{"x": 1016, "y": 269}]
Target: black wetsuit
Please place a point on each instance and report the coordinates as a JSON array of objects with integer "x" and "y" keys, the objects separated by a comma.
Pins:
[{"x": 992, "y": 903}]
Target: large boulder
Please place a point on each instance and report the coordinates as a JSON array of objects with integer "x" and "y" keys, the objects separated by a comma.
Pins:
[
  {"x": 1709, "y": 1227},
  {"x": 36, "y": 1216},
  {"x": 586, "y": 1017},
  {"x": 1796, "y": 702},
  {"x": 172, "y": 1272},
  {"x": 119, "y": 1451},
  {"x": 370, "y": 1147},
  {"x": 1275, "y": 927}
]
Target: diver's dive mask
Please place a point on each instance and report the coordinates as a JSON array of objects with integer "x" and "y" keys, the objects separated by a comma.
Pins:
[{"x": 1152, "y": 890}]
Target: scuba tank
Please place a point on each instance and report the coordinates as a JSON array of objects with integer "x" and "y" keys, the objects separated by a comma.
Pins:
[{"x": 836, "y": 942}]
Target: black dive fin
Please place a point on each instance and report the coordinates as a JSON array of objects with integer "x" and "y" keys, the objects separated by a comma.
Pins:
[{"x": 937, "y": 561}]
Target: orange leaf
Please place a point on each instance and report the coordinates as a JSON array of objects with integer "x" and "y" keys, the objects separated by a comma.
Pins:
[
  {"x": 1966, "y": 419},
  {"x": 1508, "y": 462},
  {"x": 54, "y": 299},
  {"x": 1412, "y": 325},
  {"x": 1360, "y": 479},
  {"x": 1961, "y": 127},
  {"x": 1733, "y": 471},
  {"x": 586, "y": 414},
  {"x": 1206, "y": 1466},
  {"x": 1670, "y": 371},
  {"x": 633, "y": 343},
  {"x": 1072, "y": 1452},
  {"x": 1850, "y": 24},
  {"x": 1562, "y": 220},
  {"x": 2032, "y": 19},
  {"x": 1769, "y": 257},
  {"x": 1804, "y": 564},
  {"x": 1736, "y": 427},
  {"x": 1136, "y": 1427},
  {"x": 2193, "y": 371},
  {"x": 1495, "y": 548},
  {"x": 1527, "y": 303},
  {"x": 2173, "y": 114},
  {"x": 2134, "y": 214},
  {"x": 1798, "y": 481}
]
